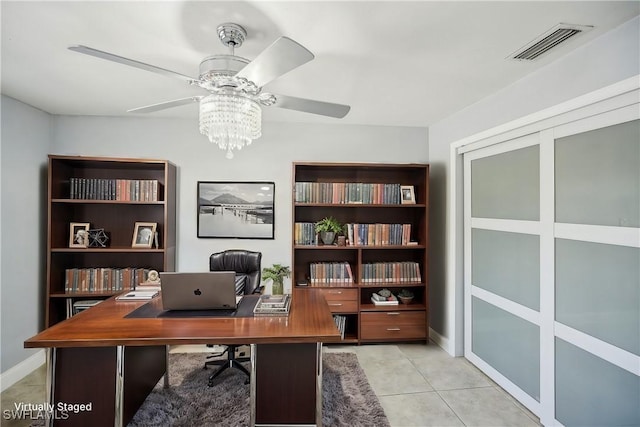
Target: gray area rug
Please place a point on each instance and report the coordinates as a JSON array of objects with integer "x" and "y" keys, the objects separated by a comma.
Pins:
[{"x": 347, "y": 397}]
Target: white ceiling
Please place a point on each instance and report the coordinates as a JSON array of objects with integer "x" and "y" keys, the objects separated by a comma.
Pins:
[{"x": 396, "y": 63}]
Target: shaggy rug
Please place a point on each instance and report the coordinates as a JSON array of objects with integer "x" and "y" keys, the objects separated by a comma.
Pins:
[{"x": 347, "y": 397}]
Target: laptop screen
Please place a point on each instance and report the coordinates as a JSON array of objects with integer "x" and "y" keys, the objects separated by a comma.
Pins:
[{"x": 198, "y": 291}]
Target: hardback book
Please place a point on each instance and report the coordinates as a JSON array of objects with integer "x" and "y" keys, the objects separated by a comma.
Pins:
[{"x": 137, "y": 295}]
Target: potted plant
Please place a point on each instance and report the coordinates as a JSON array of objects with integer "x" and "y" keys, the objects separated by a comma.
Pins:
[
  {"x": 405, "y": 296},
  {"x": 327, "y": 228},
  {"x": 277, "y": 273}
]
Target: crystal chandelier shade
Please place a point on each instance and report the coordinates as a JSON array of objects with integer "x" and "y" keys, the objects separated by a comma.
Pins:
[{"x": 230, "y": 120}]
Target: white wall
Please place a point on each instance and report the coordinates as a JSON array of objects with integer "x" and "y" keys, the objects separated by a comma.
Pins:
[
  {"x": 25, "y": 144},
  {"x": 610, "y": 58},
  {"x": 267, "y": 159}
]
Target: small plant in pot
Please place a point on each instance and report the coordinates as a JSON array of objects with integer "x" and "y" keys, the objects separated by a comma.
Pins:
[
  {"x": 328, "y": 227},
  {"x": 276, "y": 273},
  {"x": 405, "y": 296}
]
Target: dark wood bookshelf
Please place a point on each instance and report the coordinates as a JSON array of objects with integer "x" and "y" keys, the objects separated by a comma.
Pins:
[
  {"x": 116, "y": 217},
  {"x": 366, "y": 322}
]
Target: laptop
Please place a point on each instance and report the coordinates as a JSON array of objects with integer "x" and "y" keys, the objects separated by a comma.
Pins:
[{"x": 214, "y": 290}]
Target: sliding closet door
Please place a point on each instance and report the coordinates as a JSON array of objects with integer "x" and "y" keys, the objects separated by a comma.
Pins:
[
  {"x": 552, "y": 269},
  {"x": 597, "y": 274},
  {"x": 502, "y": 272}
]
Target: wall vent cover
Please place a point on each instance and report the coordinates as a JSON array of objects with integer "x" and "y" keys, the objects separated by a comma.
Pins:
[{"x": 548, "y": 40}]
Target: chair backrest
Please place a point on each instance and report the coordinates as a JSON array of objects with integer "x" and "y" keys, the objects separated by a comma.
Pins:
[{"x": 245, "y": 263}]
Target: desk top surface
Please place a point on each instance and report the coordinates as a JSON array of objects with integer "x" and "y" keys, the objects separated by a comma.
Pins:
[{"x": 105, "y": 325}]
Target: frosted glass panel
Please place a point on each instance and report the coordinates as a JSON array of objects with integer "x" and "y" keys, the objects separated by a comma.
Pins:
[
  {"x": 593, "y": 392},
  {"x": 507, "y": 185},
  {"x": 598, "y": 291},
  {"x": 508, "y": 343},
  {"x": 507, "y": 264},
  {"x": 598, "y": 176}
]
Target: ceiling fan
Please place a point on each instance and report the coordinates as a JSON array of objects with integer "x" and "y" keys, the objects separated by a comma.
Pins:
[{"x": 231, "y": 115}]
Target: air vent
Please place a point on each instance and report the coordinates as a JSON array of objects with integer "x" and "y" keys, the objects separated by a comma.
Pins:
[{"x": 547, "y": 41}]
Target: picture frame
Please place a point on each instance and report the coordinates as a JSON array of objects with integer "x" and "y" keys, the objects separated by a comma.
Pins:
[
  {"x": 143, "y": 234},
  {"x": 236, "y": 209},
  {"x": 79, "y": 234},
  {"x": 408, "y": 195}
]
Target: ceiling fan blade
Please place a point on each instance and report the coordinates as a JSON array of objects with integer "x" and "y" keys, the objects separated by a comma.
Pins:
[
  {"x": 164, "y": 105},
  {"x": 310, "y": 106},
  {"x": 279, "y": 58},
  {"x": 131, "y": 62}
]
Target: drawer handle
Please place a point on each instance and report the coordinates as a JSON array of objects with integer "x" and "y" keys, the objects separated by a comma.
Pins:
[
  {"x": 335, "y": 292},
  {"x": 393, "y": 313},
  {"x": 393, "y": 329},
  {"x": 335, "y": 304}
]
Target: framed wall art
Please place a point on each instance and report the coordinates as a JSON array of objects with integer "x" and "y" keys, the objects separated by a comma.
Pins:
[{"x": 236, "y": 210}]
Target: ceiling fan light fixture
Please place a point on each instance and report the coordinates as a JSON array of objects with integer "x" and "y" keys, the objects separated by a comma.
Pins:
[{"x": 230, "y": 120}]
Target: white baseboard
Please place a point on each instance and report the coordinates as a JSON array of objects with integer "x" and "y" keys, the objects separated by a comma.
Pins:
[
  {"x": 22, "y": 369},
  {"x": 440, "y": 341}
]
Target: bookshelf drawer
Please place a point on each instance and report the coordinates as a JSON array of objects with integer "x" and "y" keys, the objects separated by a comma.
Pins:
[
  {"x": 340, "y": 295},
  {"x": 343, "y": 306},
  {"x": 394, "y": 324}
]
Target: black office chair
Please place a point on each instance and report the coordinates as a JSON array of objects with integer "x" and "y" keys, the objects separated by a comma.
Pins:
[{"x": 246, "y": 264}]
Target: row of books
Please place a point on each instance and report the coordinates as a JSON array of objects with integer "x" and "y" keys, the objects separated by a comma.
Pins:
[
  {"x": 135, "y": 190},
  {"x": 75, "y": 307},
  {"x": 341, "y": 323},
  {"x": 347, "y": 193},
  {"x": 273, "y": 305},
  {"x": 396, "y": 272},
  {"x": 358, "y": 234},
  {"x": 330, "y": 273},
  {"x": 103, "y": 279}
]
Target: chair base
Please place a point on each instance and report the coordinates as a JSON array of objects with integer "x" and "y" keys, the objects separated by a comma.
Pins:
[{"x": 231, "y": 362}]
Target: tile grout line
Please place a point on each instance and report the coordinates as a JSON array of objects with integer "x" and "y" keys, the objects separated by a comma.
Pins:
[{"x": 437, "y": 393}]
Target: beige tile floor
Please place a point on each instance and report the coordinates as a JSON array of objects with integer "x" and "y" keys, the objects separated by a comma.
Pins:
[{"x": 417, "y": 384}]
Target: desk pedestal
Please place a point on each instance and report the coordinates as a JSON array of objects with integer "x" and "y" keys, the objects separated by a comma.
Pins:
[
  {"x": 286, "y": 384},
  {"x": 94, "y": 375}
]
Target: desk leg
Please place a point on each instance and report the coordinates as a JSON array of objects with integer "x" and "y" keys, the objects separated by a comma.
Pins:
[
  {"x": 119, "y": 392},
  {"x": 286, "y": 384},
  {"x": 50, "y": 380}
]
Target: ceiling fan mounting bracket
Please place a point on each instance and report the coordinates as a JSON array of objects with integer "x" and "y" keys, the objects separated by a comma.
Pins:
[{"x": 231, "y": 35}]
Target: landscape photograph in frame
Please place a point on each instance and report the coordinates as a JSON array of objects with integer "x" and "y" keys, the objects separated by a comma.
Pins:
[{"x": 236, "y": 210}]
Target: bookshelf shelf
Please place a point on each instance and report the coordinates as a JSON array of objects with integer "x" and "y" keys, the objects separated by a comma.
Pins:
[
  {"x": 149, "y": 179},
  {"x": 106, "y": 202},
  {"x": 338, "y": 182}
]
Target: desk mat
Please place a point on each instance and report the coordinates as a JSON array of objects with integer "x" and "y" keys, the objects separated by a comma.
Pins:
[{"x": 152, "y": 311}]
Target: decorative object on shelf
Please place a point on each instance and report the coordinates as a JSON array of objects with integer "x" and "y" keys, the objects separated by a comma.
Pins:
[
  {"x": 231, "y": 115},
  {"x": 384, "y": 297},
  {"x": 405, "y": 296},
  {"x": 408, "y": 195},
  {"x": 276, "y": 273},
  {"x": 79, "y": 234},
  {"x": 328, "y": 228},
  {"x": 153, "y": 278},
  {"x": 98, "y": 238},
  {"x": 240, "y": 210},
  {"x": 143, "y": 233}
]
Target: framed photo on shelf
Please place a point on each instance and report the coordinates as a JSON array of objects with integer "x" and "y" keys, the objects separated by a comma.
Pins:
[
  {"x": 408, "y": 195},
  {"x": 236, "y": 210},
  {"x": 143, "y": 234},
  {"x": 79, "y": 235}
]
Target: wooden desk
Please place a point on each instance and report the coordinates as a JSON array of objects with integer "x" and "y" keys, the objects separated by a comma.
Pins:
[{"x": 104, "y": 358}]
